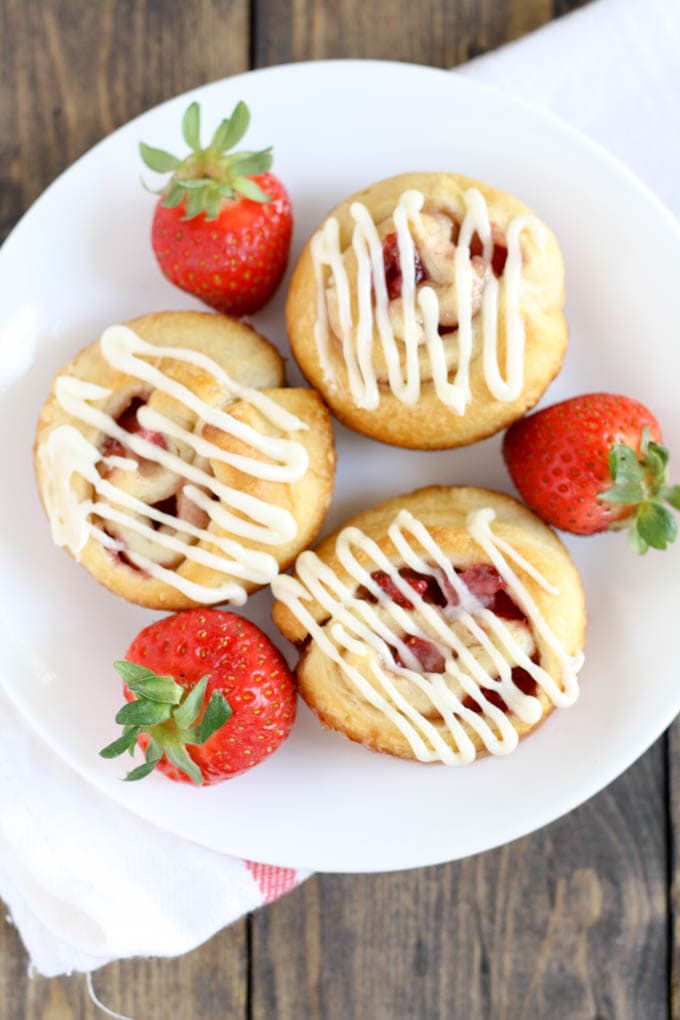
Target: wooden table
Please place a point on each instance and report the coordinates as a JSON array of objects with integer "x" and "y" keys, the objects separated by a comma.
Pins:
[{"x": 580, "y": 920}]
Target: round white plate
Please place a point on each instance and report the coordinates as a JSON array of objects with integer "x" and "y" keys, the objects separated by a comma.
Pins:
[{"x": 81, "y": 259}]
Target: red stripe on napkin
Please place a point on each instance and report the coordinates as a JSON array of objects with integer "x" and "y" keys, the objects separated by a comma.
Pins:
[{"x": 273, "y": 881}]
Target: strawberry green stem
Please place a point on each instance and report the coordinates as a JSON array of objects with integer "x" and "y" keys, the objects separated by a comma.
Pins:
[
  {"x": 641, "y": 483},
  {"x": 209, "y": 176},
  {"x": 172, "y": 716}
]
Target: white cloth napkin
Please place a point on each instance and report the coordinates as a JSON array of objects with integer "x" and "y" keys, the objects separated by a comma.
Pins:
[{"x": 71, "y": 862}]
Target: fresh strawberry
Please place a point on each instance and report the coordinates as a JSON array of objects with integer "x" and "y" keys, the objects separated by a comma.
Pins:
[
  {"x": 592, "y": 463},
  {"x": 223, "y": 224},
  {"x": 209, "y": 696}
]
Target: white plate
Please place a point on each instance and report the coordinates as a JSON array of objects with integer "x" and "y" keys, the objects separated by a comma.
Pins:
[{"x": 81, "y": 259}]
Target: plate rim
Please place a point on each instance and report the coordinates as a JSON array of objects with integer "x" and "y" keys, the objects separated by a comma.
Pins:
[{"x": 633, "y": 750}]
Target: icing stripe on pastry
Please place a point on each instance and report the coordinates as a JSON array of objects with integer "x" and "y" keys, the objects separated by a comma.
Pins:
[
  {"x": 67, "y": 452},
  {"x": 421, "y": 305},
  {"x": 376, "y": 629}
]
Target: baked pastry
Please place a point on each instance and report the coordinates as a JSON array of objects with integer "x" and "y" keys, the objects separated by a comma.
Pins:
[
  {"x": 174, "y": 465},
  {"x": 437, "y": 626},
  {"x": 427, "y": 309}
]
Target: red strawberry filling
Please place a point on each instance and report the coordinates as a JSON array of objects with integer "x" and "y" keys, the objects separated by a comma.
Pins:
[
  {"x": 428, "y": 655},
  {"x": 499, "y": 254},
  {"x": 123, "y": 557},
  {"x": 520, "y": 678},
  {"x": 483, "y": 581},
  {"x": 128, "y": 421},
  {"x": 487, "y": 585},
  {"x": 422, "y": 584},
  {"x": 393, "y": 274},
  {"x": 432, "y": 661}
]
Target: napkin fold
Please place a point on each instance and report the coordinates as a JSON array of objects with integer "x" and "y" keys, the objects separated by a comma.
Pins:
[
  {"x": 612, "y": 70},
  {"x": 86, "y": 881}
]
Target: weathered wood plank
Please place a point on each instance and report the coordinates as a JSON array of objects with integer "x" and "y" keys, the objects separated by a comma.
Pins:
[
  {"x": 569, "y": 922},
  {"x": 70, "y": 74},
  {"x": 431, "y": 32},
  {"x": 73, "y": 72},
  {"x": 211, "y": 983}
]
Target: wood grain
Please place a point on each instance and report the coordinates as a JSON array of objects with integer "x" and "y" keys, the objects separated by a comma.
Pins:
[
  {"x": 210, "y": 983},
  {"x": 77, "y": 70},
  {"x": 570, "y": 922},
  {"x": 430, "y": 32},
  {"x": 573, "y": 922}
]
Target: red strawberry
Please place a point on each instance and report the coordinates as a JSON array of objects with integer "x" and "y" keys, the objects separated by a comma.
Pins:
[
  {"x": 222, "y": 228},
  {"x": 209, "y": 696},
  {"x": 595, "y": 462}
]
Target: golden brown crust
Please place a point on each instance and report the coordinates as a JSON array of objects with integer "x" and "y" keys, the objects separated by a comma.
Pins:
[
  {"x": 251, "y": 361},
  {"x": 430, "y": 424},
  {"x": 443, "y": 510}
]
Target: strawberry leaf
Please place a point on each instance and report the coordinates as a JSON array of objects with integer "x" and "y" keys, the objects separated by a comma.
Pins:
[
  {"x": 158, "y": 159},
  {"x": 186, "y": 713},
  {"x": 173, "y": 197},
  {"x": 216, "y": 715},
  {"x": 250, "y": 189},
  {"x": 148, "y": 684},
  {"x": 662, "y": 451},
  {"x": 154, "y": 751},
  {"x": 178, "y": 755},
  {"x": 212, "y": 202},
  {"x": 120, "y": 746},
  {"x": 645, "y": 439},
  {"x": 671, "y": 493},
  {"x": 626, "y": 492},
  {"x": 191, "y": 127},
  {"x": 140, "y": 772},
  {"x": 194, "y": 204},
  {"x": 143, "y": 713},
  {"x": 218, "y": 139},
  {"x": 237, "y": 125},
  {"x": 656, "y": 459},
  {"x": 249, "y": 164},
  {"x": 624, "y": 465},
  {"x": 656, "y": 525},
  {"x": 131, "y": 672},
  {"x": 211, "y": 166},
  {"x": 637, "y": 542}
]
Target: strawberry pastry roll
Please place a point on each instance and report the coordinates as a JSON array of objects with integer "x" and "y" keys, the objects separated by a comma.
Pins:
[
  {"x": 175, "y": 467},
  {"x": 438, "y": 626},
  {"x": 427, "y": 309}
]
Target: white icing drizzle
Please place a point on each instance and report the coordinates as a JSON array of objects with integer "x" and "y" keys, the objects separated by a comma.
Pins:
[
  {"x": 67, "y": 453},
  {"x": 357, "y": 339},
  {"x": 361, "y": 628}
]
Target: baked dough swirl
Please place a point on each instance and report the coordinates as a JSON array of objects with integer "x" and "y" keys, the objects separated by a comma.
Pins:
[
  {"x": 427, "y": 309},
  {"x": 437, "y": 626},
  {"x": 174, "y": 465}
]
